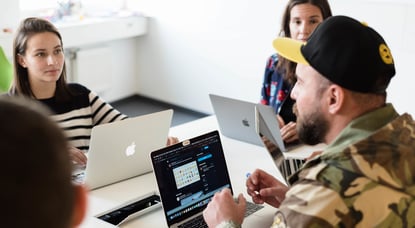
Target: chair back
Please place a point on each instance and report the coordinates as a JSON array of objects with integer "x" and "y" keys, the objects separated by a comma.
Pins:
[{"x": 6, "y": 72}]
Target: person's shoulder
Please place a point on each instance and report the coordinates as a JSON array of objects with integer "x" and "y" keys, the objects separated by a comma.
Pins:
[
  {"x": 273, "y": 57},
  {"x": 272, "y": 61},
  {"x": 78, "y": 88}
]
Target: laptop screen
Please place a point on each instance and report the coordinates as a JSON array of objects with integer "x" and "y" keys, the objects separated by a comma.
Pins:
[{"x": 189, "y": 174}]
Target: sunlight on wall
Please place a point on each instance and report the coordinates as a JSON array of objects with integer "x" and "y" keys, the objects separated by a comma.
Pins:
[
  {"x": 31, "y": 5},
  {"x": 95, "y": 7}
]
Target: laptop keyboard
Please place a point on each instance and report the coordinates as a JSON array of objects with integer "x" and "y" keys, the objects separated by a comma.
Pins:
[
  {"x": 198, "y": 221},
  {"x": 252, "y": 208},
  {"x": 78, "y": 178},
  {"x": 78, "y": 174},
  {"x": 290, "y": 165},
  {"x": 195, "y": 222}
]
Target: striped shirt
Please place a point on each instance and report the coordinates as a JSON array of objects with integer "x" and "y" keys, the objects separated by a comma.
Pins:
[{"x": 78, "y": 116}]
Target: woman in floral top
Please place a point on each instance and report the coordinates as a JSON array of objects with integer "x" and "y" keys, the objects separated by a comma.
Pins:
[{"x": 300, "y": 19}]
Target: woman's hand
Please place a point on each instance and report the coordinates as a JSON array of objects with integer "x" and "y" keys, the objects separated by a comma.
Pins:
[
  {"x": 78, "y": 157},
  {"x": 289, "y": 132},
  {"x": 172, "y": 140}
]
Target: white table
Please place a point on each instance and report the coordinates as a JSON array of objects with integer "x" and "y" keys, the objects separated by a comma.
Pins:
[{"x": 242, "y": 158}]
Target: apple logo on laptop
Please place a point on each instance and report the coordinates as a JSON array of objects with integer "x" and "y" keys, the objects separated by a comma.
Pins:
[
  {"x": 130, "y": 149},
  {"x": 245, "y": 122}
]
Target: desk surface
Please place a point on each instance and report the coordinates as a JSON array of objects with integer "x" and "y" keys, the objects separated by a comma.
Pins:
[{"x": 242, "y": 158}]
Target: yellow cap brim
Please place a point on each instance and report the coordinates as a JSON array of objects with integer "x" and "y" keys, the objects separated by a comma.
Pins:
[{"x": 290, "y": 49}]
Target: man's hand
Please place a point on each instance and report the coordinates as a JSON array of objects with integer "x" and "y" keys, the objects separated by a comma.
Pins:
[
  {"x": 224, "y": 208},
  {"x": 264, "y": 188}
]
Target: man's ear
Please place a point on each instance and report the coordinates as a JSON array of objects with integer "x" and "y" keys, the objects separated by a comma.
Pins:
[
  {"x": 81, "y": 203},
  {"x": 335, "y": 98}
]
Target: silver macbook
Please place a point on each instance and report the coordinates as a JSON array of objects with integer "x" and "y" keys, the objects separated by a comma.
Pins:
[
  {"x": 236, "y": 118},
  {"x": 249, "y": 122},
  {"x": 188, "y": 174},
  {"x": 268, "y": 127},
  {"x": 120, "y": 150}
]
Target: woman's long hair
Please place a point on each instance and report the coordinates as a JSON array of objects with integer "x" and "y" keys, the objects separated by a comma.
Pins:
[
  {"x": 284, "y": 65},
  {"x": 21, "y": 85}
]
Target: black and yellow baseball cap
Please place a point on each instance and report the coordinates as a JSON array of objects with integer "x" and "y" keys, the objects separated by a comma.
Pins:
[{"x": 345, "y": 51}]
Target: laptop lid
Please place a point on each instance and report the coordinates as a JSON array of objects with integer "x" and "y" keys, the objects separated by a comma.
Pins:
[
  {"x": 188, "y": 174},
  {"x": 269, "y": 128},
  {"x": 267, "y": 125},
  {"x": 120, "y": 150},
  {"x": 236, "y": 118}
]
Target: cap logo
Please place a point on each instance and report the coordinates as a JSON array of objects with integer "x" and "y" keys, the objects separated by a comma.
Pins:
[{"x": 385, "y": 54}]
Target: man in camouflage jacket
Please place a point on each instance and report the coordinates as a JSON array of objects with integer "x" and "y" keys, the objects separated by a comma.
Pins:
[
  {"x": 366, "y": 175},
  {"x": 367, "y": 180}
]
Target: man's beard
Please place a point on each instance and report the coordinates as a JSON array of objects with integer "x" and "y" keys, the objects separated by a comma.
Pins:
[{"x": 312, "y": 128}]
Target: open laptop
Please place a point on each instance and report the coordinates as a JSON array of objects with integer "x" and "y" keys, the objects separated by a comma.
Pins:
[
  {"x": 236, "y": 118},
  {"x": 249, "y": 122},
  {"x": 120, "y": 150},
  {"x": 188, "y": 174},
  {"x": 239, "y": 120},
  {"x": 268, "y": 127}
]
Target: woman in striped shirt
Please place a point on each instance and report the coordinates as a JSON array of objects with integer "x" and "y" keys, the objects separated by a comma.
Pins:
[{"x": 40, "y": 73}]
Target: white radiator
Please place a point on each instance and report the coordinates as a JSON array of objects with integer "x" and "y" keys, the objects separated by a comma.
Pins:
[{"x": 90, "y": 67}]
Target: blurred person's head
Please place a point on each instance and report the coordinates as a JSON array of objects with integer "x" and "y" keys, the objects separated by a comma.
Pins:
[{"x": 37, "y": 189}]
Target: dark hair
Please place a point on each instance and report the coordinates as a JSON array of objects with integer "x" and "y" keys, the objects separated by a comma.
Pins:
[
  {"x": 284, "y": 64},
  {"x": 36, "y": 167},
  {"x": 27, "y": 28}
]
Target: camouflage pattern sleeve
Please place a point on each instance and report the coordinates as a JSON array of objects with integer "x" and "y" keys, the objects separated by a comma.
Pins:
[{"x": 369, "y": 184}]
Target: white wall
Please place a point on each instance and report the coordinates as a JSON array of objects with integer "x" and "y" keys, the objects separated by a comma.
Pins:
[
  {"x": 394, "y": 20},
  {"x": 9, "y": 18},
  {"x": 213, "y": 46},
  {"x": 194, "y": 48}
]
